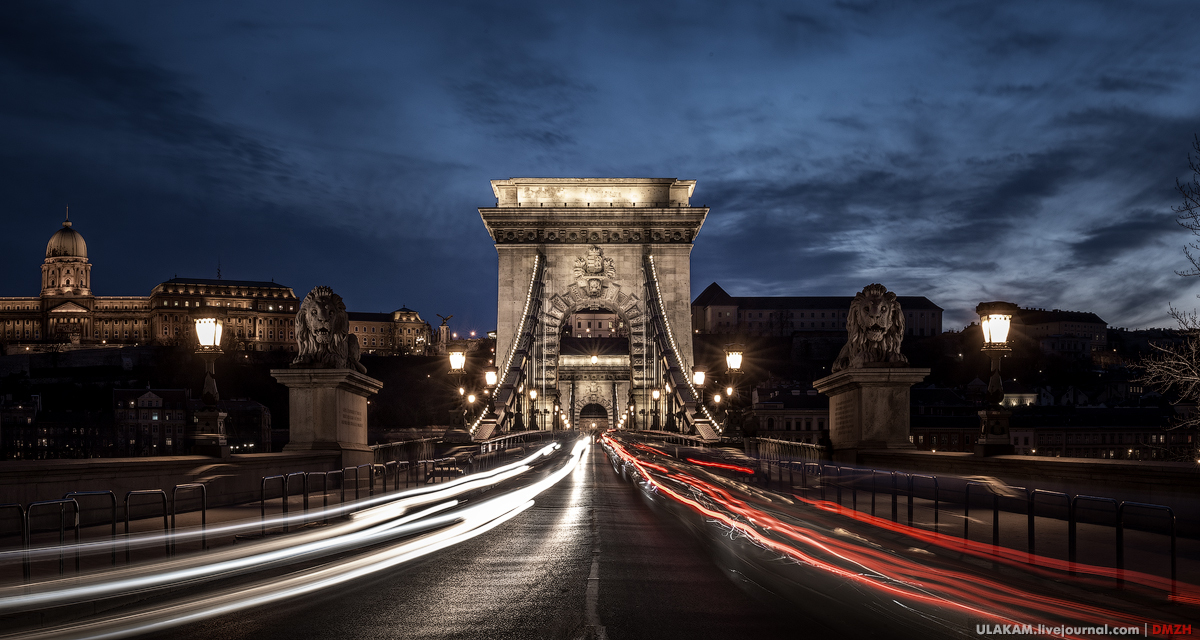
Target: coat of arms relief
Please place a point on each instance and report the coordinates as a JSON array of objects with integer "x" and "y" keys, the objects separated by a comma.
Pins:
[{"x": 593, "y": 272}]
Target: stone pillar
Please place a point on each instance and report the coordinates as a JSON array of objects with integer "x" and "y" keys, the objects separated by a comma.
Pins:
[
  {"x": 329, "y": 411},
  {"x": 869, "y": 408}
]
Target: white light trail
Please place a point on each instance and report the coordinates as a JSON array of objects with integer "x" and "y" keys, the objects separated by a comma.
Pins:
[{"x": 459, "y": 526}]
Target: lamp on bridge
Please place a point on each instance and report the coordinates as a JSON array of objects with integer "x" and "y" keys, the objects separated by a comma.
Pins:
[
  {"x": 490, "y": 379},
  {"x": 654, "y": 425},
  {"x": 533, "y": 410},
  {"x": 995, "y": 319},
  {"x": 733, "y": 369},
  {"x": 698, "y": 382},
  {"x": 733, "y": 358},
  {"x": 207, "y": 433},
  {"x": 458, "y": 365}
]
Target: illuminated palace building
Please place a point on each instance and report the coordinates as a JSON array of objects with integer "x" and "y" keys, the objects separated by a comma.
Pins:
[{"x": 258, "y": 315}]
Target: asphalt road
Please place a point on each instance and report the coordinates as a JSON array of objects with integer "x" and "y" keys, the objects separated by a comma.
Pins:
[{"x": 593, "y": 558}]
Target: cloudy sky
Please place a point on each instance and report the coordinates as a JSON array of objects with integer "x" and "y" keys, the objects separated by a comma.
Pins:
[{"x": 961, "y": 151}]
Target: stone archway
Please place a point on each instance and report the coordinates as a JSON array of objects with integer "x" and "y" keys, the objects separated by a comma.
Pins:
[
  {"x": 571, "y": 244},
  {"x": 594, "y": 414}
]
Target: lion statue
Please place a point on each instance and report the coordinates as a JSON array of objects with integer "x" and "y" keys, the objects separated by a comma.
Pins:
[
  {"x": 875, "y": 328},
  {"x": 323, "y": 333}
]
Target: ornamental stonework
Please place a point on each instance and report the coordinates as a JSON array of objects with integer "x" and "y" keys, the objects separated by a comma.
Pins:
[
  {"x": 593, "y": 272},
  {"x": 591, "y": 236}
]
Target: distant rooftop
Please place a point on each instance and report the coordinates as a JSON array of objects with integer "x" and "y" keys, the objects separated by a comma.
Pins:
[
  {"x": 714, "y": 295},
  {"x": 217, "y": 282},
  {"x": 1042, "y": 316}
]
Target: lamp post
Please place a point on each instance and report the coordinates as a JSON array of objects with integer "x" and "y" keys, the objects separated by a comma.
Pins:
[
  {"x": 654, "y": 424},
  {"x": 533, "y": 410},
  {"x": 458, "y": 364},
  {"x": 491, "y": 378},
  {"x": 698, "y": 382},
  {"x": 207, "y": 432},
  {"x": 733, "y": 369},
  {"x": 995, "y": 318}
]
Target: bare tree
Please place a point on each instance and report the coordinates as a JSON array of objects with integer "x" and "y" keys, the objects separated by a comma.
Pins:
[
  {"x": 1189, "y": 211},
  {"x": 1175, "y": 368}
]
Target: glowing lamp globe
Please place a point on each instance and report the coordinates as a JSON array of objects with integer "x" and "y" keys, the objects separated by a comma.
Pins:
[
  {"x": 698, "y": 377},
  {"x": 208, "y": 332},
  {"x": 654, "y": 394},
  {"x": 458, "y": 360},
  {"x": 490, "y": 376},
  {"x": 733, "y": 357},
  {"x": 996, "y": 319}
]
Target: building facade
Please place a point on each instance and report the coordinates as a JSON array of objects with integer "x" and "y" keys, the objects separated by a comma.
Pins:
[
  {"x": 258, "y": 316},
  {"x": 798, "y": 415},
  {"x": 401, "y": 332},
  {"x": 1066, "y": 333},
  {"x": 715, "y": 311}
]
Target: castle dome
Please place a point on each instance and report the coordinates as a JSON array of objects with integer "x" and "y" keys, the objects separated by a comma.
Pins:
[{"x": 66, "y": 243}]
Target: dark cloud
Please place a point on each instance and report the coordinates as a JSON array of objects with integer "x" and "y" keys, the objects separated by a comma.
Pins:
[
  {"x": 1110, "y": 84},
  {"x": 1102, "y": 245},
  {"x": 957, "y": 150}
]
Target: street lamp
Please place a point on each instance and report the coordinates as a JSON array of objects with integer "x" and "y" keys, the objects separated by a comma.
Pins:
[
  {"x": 533, "y": 410},
  {"x": 654, "y": 425},
  {"x": 733, "y": 358},
  {"x": 698, "y": 382},
  {"x": 208, "y": 431},
  {"x": 733, "y": 368},
  {"x": 491, "y": 378},
  {"x": 458, "y": 361},
  {"x": 458, "y": 364},
  {"x": 995, "y": 318},
  {"x": 208, "y": 334}
]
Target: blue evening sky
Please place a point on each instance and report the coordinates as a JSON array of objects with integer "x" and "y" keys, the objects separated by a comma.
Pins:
[{"x": 965, "y": 151}]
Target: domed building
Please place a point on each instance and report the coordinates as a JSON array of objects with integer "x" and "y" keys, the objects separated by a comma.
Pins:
[
  {"x": 66, "y": 271},
  {"x": 258, "y": 316}
]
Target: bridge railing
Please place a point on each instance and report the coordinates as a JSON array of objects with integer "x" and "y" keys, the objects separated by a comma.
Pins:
[
  {"x": 27, "y": 521},
  {"x": 836, "y": 484},
  {"x": 692, "y": 412}
]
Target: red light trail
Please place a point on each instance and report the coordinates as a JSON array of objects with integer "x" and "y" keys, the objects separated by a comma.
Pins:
[{"x": 934, "y": 582}]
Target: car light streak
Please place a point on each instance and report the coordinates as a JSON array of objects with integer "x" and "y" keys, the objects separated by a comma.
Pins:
[
  {"x": 155, "y": 539},
  {"x": 928, "y": 586},
  {"x": 731, "y": 467},
  {"x": 456, "y": 526}
]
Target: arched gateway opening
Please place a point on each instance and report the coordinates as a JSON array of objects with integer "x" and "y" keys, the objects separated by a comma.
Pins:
[
  {"x": 594, "y": 418},
  {"x": 594, "y": 302}
]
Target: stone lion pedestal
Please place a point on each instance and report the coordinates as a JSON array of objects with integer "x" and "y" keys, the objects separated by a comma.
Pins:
[
  {"x": 328, "y": 410},
  {"x": 868, "y": 408}
]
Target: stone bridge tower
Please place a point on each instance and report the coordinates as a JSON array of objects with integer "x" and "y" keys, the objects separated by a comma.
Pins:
[{"x": 618, "y": 247}]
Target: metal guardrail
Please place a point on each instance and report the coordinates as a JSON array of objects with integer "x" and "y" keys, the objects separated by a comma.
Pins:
[
  {"x": 851, "y": 478},
  {"x": 62, "y": 528},
  {"x": 192, "y": 486},
  {"x": 112, "y": 519},
  {"x": 26, "y": 515},
  {"x": 166, "y": 524}
]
